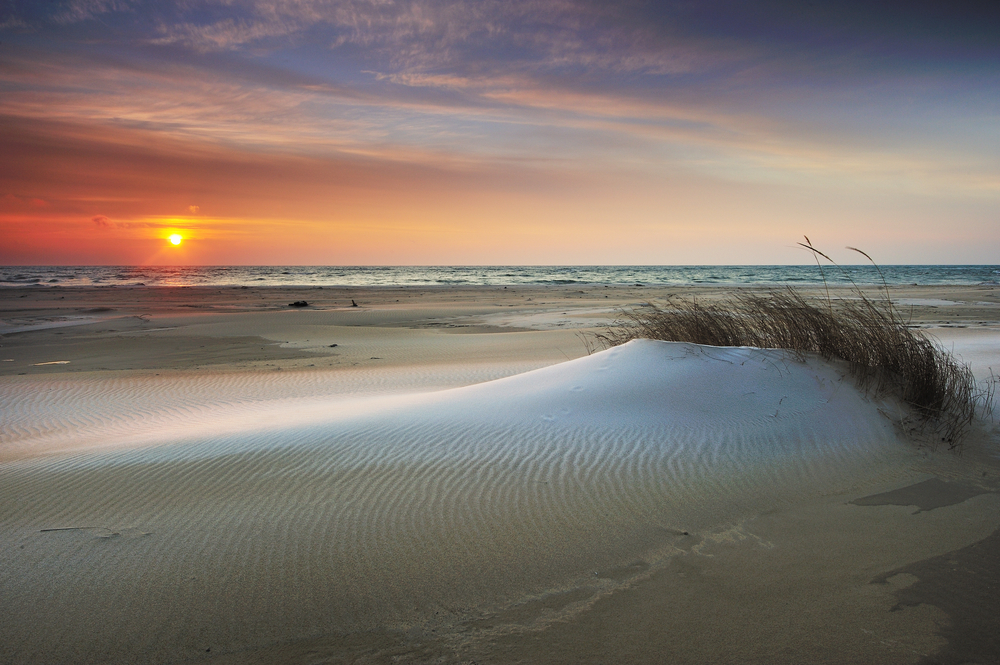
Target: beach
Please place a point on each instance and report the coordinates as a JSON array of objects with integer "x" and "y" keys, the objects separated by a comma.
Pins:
[{"x": 456, "y": 474}]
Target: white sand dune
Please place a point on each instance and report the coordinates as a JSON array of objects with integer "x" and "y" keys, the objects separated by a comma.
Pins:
[{"x": 264, "y": 514}]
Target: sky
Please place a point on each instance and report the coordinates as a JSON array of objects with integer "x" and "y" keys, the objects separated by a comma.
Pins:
[{"x": 443, "y": 132}]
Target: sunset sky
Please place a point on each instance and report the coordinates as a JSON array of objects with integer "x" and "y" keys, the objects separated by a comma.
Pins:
[{"x": 538, "y": 132}]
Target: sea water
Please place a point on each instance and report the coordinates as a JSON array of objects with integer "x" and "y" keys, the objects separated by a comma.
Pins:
[{"x": 42, "y": 276}]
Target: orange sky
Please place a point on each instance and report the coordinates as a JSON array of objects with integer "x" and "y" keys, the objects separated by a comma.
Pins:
[{"x": 620, "y": 141}]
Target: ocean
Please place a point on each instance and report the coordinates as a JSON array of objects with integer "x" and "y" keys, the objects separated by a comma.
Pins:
[{"x": 68, "y": 276}]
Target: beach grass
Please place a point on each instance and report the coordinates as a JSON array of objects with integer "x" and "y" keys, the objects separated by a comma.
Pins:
[{"x": 883, "y": 353}]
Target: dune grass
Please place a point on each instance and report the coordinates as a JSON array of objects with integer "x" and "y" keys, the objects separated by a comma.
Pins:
[{"x": 883, "y": 353}]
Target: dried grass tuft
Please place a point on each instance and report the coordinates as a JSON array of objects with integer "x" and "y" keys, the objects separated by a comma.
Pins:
[{"x": 884, "y": 355}]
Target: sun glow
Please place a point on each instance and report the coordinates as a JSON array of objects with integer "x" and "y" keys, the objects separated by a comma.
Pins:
[{"x": 175, "y": 239}]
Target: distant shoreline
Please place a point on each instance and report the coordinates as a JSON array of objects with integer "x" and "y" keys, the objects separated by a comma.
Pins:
[{"x": 424, "y": 276}]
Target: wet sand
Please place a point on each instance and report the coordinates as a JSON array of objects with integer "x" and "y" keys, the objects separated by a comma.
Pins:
[{"x": 445, "y": 475}]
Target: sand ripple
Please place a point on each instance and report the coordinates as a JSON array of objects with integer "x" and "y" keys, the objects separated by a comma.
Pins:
[{"x": 258, "y": 514}]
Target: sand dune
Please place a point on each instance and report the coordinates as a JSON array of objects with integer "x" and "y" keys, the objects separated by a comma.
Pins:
[{"x": 280, "y": 510}]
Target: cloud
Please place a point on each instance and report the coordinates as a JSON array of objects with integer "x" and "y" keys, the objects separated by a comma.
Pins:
[
  {"x": 483, "y": 37},
  {"x": 222, "y": 35},
  {"x": 102, "y": 222},
  {"x": 9, "y": 22},
  {"x": 81, "y": 10},
  {"x": 574, "y": 37},
  {"x": 113, "y": 175},
  {"x": 24, "y": 202},
  {"x": 431, "y": 119}
]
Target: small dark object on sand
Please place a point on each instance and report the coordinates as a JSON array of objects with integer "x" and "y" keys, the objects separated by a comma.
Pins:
[
  {"x": 353, "y": 304},
  {"x": 298, "y": 303},
  {"x": 332, "y": 345}
]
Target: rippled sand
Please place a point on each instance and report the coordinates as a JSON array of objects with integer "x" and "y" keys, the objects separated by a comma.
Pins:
[{"x": 542, "y": 517}]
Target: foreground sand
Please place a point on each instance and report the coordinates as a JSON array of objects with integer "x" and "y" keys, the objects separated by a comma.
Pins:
[{"x": 199, "y": 474}]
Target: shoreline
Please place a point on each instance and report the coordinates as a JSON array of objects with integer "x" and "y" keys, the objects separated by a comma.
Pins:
[{"x": 253, "y": 326}]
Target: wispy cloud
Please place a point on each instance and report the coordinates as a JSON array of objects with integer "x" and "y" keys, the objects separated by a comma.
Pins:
[
  {"x": 222, "y": 35},
  {"x": 433, "y": 118},
  {"x": 81, "y": 10}
]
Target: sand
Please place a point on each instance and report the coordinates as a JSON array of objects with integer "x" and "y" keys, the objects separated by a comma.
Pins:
[{"x": 446, "y": 475}]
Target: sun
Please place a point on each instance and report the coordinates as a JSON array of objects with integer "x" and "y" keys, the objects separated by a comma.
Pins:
[{"x": 175, "y": 239}]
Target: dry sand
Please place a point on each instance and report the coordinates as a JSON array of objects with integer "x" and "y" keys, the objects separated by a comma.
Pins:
[{"x": 444, "y": 475}]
